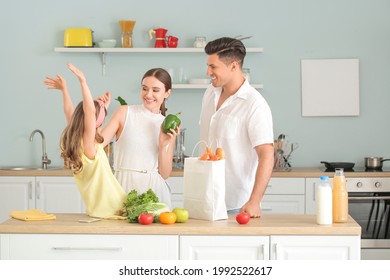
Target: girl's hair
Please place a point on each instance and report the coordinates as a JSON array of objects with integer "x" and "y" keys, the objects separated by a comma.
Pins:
[
  {"x": 71, "y": 138},
  {"x": 163, "y": 76}
]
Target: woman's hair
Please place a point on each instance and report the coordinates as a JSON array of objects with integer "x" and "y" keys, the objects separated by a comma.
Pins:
[
  {"x": 227, "y": 49},
  {"x": 163, "y": 76},
  {"x": 71, "y": 138}
]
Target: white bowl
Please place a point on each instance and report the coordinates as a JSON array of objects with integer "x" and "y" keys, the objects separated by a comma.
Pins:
[
  {"x": 108, "y": 43},
  {"x": 199, "y": 81}
]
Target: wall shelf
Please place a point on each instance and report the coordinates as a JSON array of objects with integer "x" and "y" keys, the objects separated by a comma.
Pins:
[
  {"x": 203, "y": 86},
  {"x": 142, "y": 50},
  {"x": 103, "y": 51}
]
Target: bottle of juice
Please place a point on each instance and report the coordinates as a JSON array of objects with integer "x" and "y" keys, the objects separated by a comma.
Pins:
[{"x": 340, "y": 197}]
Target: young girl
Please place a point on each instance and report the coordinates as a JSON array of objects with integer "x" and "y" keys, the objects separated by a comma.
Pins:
[
  {"x": 82, "y": 148},
  {"x": 143, "y": 153}
]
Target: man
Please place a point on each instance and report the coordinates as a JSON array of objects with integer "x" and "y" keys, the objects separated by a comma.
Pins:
[{"x": 237, "y": 118}]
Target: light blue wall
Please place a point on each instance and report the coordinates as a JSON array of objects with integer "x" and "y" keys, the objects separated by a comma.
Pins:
[{"x": 287, "y": 30}]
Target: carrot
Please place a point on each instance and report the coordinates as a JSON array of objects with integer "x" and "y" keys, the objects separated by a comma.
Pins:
[
  {"x": 220, "y": 153},
  {"x": 210, "y": 152},
  {"x": 213, "y": 157},
  {"x": 205, "y": 156}
]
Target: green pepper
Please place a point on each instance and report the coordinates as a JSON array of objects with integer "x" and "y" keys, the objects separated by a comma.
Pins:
[
  {"x": 121, "y": 100},
  {"x": 171, "y": 121}
]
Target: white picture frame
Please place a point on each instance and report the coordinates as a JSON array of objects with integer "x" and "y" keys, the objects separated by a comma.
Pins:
[{"x": 330, "y": 87}]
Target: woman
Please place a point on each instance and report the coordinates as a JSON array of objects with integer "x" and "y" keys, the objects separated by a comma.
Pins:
[{"x": 143, "y": 152}]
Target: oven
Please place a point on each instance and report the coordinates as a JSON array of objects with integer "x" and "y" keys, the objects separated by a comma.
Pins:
[{"x": 369, "y": 206}]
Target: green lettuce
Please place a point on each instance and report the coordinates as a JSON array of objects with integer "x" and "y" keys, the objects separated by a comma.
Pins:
[{"x": 137, "y": 204}]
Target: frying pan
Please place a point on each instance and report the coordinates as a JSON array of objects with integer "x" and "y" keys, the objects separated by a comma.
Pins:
[{"x": 334, "y": 165}]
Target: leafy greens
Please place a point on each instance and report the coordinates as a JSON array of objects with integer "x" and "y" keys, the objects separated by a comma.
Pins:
[{"x": 137, "y": 204}]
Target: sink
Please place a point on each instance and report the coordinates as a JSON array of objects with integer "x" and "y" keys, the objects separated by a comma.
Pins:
[{"x": 24, "y": 168}]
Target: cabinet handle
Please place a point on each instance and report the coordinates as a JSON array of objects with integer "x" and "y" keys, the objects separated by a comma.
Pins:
[
  {"x": 263, "y": 250},
  {"x": 369, "y": 198},
  {"x": 30, "y": 190},
  {"x": 278, "y": 250},
  {"x": 38, "y": 190},
  {"x": 266, "y": 209},
  {"x": 314, "y": 191},
  {"x": 88, "y": 248}
]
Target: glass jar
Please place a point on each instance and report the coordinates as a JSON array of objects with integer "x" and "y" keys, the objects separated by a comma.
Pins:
[
  {"x": 127, "y": 39},
  {"x": 200, "y": 42},
  {"x": 247, "y": 74}
]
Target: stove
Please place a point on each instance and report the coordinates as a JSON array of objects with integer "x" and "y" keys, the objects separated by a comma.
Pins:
[
  {"x": 369, "y": 206},
  {"x": 368, "y": 184},
  {"x": 361, "y": 169}
]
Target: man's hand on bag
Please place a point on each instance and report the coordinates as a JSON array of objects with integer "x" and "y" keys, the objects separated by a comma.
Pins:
[{"x": 253, "y": 209}]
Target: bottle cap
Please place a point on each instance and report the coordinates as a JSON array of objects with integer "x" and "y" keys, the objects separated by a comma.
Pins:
[{"x": 324, "y": 178}]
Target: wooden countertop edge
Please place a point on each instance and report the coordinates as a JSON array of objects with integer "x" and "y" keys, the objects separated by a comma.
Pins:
[
  {"x": 267, "y": 225},
  {"x": 298, "y": 172}
]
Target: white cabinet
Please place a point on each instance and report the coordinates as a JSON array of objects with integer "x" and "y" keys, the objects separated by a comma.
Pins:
[
  {"x": 176, "y": 185},
  {"x": 224, "y": 247},
  {"x": 310, "y": 188},
  {"x": 274, "y": 247},
  {"x": 174, "y": 247},
  {"x": 88, "y": 247},
  {"x": 49, "y": 194},
  {"x": 315, "y": 247},
  {"x": 284, "y": 196},
  {"x": 16, "y": 193},
  {"x": 58, "y": 195}
]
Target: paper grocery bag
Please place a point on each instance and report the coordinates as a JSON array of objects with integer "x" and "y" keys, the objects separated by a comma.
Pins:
[{"x": 204, "y": 189}]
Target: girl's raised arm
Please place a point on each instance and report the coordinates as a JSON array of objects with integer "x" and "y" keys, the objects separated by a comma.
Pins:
[
  {"x": 89, "y": 114},
  {"x": 60, "y": 83}
]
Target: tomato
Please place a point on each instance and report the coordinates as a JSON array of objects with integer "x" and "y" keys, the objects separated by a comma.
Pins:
[
  {"x": 145, "y": 218},
  {"x": 243, "y": 218},
  {"x": 167, "y": 218}
]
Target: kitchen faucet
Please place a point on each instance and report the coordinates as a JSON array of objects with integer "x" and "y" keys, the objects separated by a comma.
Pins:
[{"x": 45, "y": 160}]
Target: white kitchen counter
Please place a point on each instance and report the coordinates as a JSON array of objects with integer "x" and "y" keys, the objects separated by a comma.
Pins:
[
  {"x": 275, "y": 237},
  {"x": 299, "y": 172},
  {"x": 267, "y": 225}
]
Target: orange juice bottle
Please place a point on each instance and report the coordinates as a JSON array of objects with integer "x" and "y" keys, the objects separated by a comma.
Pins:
[{"x": 340, "y": 197}]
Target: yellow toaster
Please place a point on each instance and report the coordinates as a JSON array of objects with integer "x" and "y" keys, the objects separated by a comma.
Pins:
[{"x": 78, "y": 37}]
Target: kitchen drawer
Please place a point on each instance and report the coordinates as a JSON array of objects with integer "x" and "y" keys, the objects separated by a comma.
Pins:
[
  {"x": 283, "y": 204},
  {"x": 224, "y": 247},
  {"x": 88, "y": 247},
  {"x": 286, "y": 186}
]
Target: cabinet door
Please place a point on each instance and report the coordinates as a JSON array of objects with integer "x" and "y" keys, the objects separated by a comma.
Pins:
[
  {"x": 283, "y": 204},
  {"x": 88, "y": 247},
  {"x": 16, "y": 193},
  {"x": 224, "y": 247},
  {"x": 315, "y": 247},
  {"x": 284, "y": 196},
  {"x": 58, "y": 195},
  {"x": 286, "y": 186},
  {"x": 177, "y": 189},
  {"x": 310, "y": 199}
]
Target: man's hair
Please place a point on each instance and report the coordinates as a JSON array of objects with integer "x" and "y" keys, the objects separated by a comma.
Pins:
[{"x": 227, "y": 49}]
